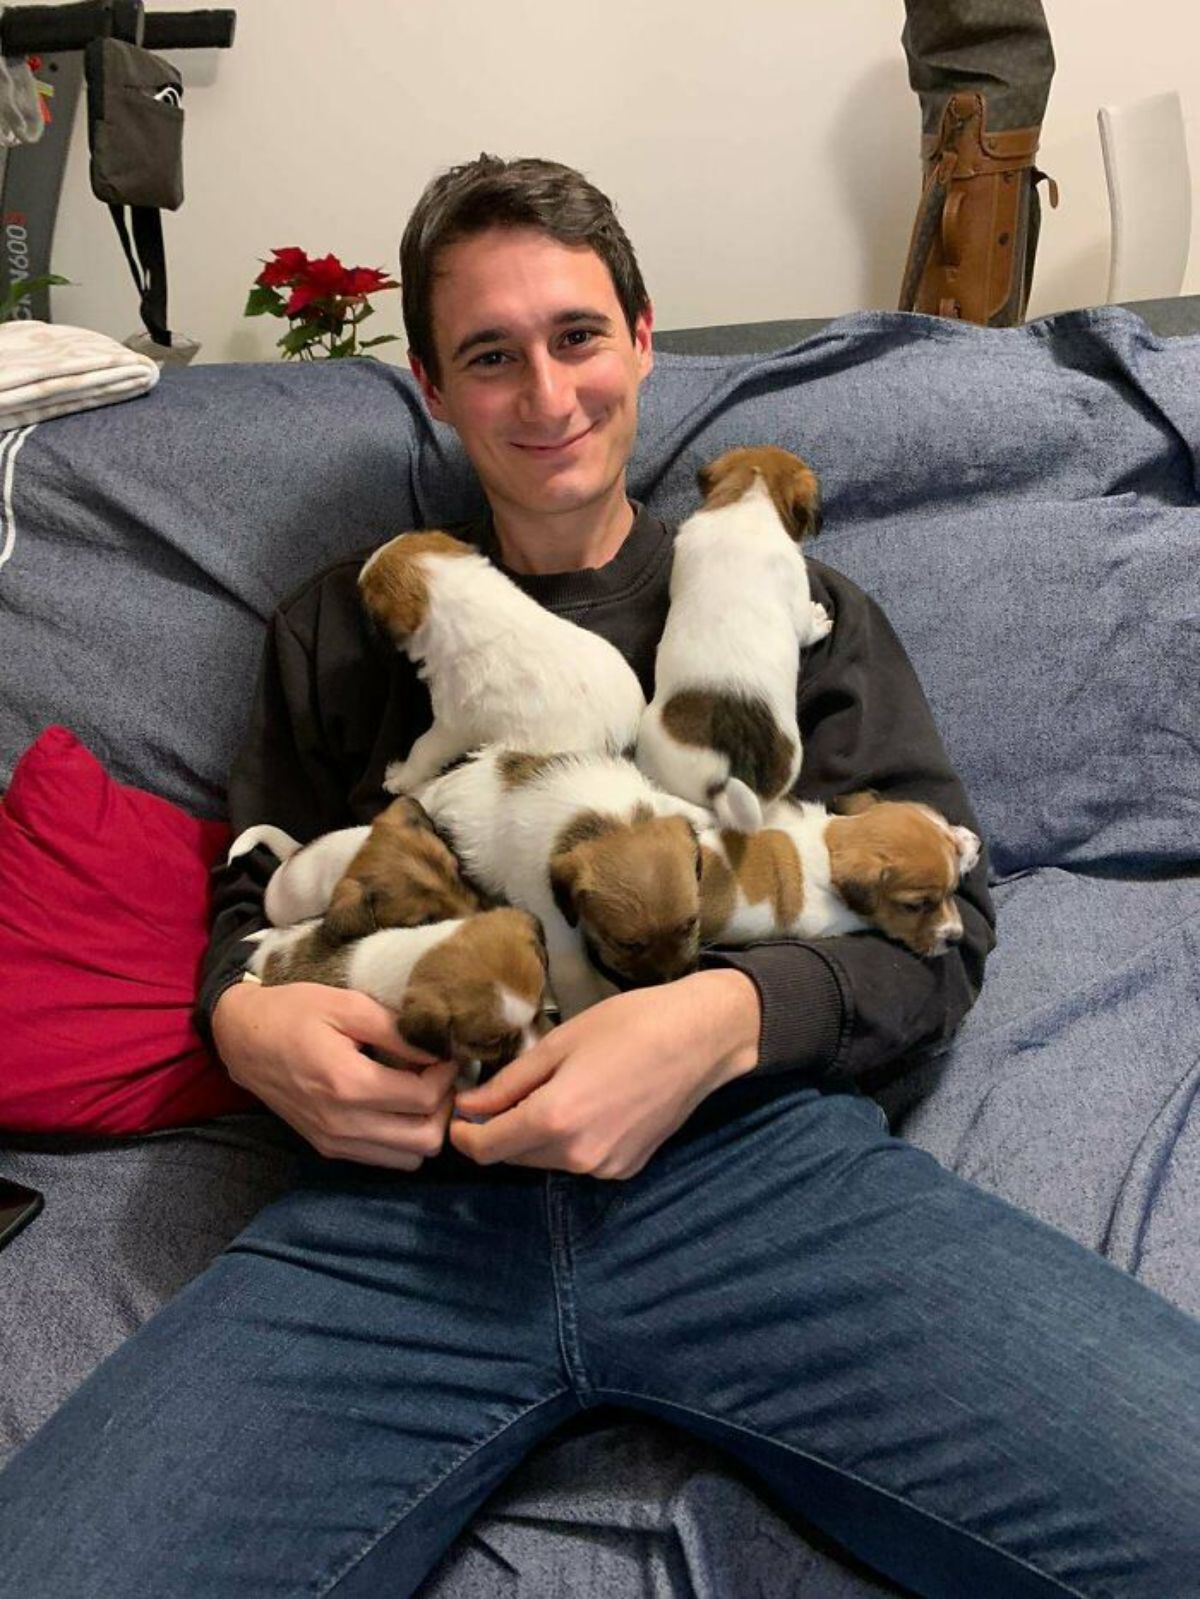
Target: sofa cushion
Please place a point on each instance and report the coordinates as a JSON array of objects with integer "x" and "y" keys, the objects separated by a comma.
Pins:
[{"x": 105, "y": 895}]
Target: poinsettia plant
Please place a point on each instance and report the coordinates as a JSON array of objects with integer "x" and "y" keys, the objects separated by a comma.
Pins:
[{"x": 324, "y": 301}]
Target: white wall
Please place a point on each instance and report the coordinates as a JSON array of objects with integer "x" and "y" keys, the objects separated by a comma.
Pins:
[{"x": 763, "y": 155}]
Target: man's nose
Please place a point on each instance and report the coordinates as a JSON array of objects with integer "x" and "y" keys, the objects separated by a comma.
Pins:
[{"x": 547, "y": 393}]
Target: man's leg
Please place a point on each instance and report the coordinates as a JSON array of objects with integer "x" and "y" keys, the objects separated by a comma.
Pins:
[
  {"x": 318, "y": 1414},
  {"x": 963, "y": 1397}
]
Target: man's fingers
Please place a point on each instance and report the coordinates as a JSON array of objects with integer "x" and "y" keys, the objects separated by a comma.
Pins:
[
  {"x": 512, "y": 1083},
  {"x": 417, "y": 1091},
  {"x": 366, "y": 1021},
  {"x": 509, "y": 1136}
]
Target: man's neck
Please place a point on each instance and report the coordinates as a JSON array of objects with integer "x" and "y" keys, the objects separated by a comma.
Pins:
[{"x": 568, "y": 541}]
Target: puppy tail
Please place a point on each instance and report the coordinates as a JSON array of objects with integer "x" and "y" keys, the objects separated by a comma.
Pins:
[{"x": 737, "y": 806}]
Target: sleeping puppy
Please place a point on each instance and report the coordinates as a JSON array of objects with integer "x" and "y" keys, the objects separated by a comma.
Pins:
[
  {"x": 721, "y": 729},
  {"x": 403, "y": 875},
  {"x": 500, "y": 668},
  {"x": 468, "y": 989},
  {"x": 809, "y": 873},
  {"x": 396, "y": 872},
  {"x": 608, "y": 864}
]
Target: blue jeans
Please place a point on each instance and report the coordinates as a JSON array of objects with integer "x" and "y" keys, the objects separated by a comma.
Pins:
[{"x": 963, "y": 1397}]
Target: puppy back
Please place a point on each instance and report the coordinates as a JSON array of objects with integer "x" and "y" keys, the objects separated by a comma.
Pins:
[{"x": 741, "y": 727}]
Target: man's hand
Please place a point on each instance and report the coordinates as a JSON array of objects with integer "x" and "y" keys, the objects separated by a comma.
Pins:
[
  {"x": 296, "y": 1046},
  {"x": 599, "y": 1094}
]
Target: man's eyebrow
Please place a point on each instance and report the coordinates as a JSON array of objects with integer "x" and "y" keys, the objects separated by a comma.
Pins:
[{"x": 561, "y": 319}]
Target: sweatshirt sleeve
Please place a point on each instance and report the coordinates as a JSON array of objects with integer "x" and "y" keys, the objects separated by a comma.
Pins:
[
  {"x": 304, "y": 755},
  {"x": 853, "y": 1008}
]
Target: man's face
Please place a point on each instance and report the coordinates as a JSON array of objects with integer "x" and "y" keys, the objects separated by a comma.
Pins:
[{"x": 539, "y": 374}]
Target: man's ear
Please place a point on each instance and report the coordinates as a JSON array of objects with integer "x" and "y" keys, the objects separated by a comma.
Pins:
[
  {"x": 643, "y": 342},
  {"x": 428, "y": 387}
]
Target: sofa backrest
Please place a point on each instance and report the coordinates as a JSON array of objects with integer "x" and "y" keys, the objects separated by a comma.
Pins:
[{"x": 1022, "y": 502}]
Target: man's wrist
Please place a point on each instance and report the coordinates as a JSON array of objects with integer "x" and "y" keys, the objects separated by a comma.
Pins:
[{"x": 732, "y": 1007}]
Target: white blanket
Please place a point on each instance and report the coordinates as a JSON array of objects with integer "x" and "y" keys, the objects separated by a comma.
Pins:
[{"x": 48, "y": 370}]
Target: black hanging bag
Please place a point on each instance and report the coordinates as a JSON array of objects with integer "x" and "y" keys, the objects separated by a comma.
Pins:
[{"x": 135, "y": 134}]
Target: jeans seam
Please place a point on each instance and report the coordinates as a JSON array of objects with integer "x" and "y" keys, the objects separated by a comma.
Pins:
[
  {"x": 562, "y": 1262},
  {"x": 852, "y": 1476},
  {"x": 420, "y": 1494}
]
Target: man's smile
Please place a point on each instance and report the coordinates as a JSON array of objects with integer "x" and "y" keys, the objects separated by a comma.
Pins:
[{"x": 558, "y": 446}]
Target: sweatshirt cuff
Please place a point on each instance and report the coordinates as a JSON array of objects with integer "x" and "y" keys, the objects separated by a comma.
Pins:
[
  {"x": 803, "y": 1011},
  {"x": 206, "y": 1002}
]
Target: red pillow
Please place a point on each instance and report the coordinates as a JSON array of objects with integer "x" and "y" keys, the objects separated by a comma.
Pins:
[{"x": 104, "y": 896}]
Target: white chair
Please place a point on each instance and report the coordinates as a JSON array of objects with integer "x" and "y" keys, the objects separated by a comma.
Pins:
[{"x": 1149, "y": 196}]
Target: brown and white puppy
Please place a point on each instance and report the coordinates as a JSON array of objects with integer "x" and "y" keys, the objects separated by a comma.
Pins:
[
  {"x": 392, "y": 872},
  {"x": 403, "y": 875},
  {"x": 500, "y": 668},
  {"x": 609, "y": 865},
  {"x": 721, "y": 729},
  {"x": 468, "y": 990},
  {"x": 811, "y": 873}
]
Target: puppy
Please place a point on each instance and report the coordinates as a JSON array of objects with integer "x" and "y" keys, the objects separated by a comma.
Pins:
[
  {"x": 403, "y": 875},
  {"x": 468, "y": 989},
  {"x": 395, "y": 872},
  {"x": 721, "y": 729},
  {"x": 608, "y": 864},
  {"x": 809, "y": 873},
  {"x": 500, "y": 669}
]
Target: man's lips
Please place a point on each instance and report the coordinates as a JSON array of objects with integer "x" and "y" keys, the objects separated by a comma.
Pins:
[{"x": 554, "y": 448}]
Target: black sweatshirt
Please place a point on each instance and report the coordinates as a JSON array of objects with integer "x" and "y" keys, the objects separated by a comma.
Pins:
[{"x": 336, "y": 702}]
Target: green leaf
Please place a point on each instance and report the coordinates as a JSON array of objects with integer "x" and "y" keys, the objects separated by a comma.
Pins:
[
  {"x": 387, "y": 338},
  {"x": 297, "y": 339},
  {"x": 23, "y": 289},
  {"x": 264, "y": 301}
]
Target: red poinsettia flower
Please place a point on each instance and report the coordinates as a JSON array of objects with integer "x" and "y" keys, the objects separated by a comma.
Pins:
[
  {"x": 325, "y": 306},
  {"x": 367, "y": 280},
  {"x": 287, "y": 265},
  {"x": 323, "y": 279}
]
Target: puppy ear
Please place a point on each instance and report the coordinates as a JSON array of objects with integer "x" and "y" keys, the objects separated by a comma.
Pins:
[
  {"x": 854, "y": 804},
  {"x": 968, "y": 845},
  {"x": 805, "y": 505},
  {"x": 539, "y": 939},
  {"x": 864, "y": 888},
  {"x": 705, "y": 479},
  {"x": 411, "y": 813},
  {"x": 424, "y": 1022},
  {"x": 351, "y": 912},
  {"x": 858, "y": 875},
  {"x": 565, "y": 872}
]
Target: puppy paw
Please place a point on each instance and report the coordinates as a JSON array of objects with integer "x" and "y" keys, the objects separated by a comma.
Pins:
[
  {"x": 821, "y": 623},
  {"x": 395, "y": 777}
]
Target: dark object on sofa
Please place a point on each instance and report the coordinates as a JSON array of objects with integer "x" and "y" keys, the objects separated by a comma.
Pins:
[{"x": 1024, "y": 504}]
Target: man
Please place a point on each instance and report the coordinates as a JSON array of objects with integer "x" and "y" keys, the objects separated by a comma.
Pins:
[{"x": 964, "y": 1398}]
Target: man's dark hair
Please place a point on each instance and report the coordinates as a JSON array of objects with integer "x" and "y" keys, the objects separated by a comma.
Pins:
[{"x": 491, "y": 193}]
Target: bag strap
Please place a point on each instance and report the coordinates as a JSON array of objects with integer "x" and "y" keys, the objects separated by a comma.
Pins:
[{"x": 148, "y": 265}]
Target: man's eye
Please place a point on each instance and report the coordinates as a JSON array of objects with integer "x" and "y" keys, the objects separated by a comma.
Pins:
[
  {"x": 489, "y": 359},
  {"x": 578, "y": 338}
]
